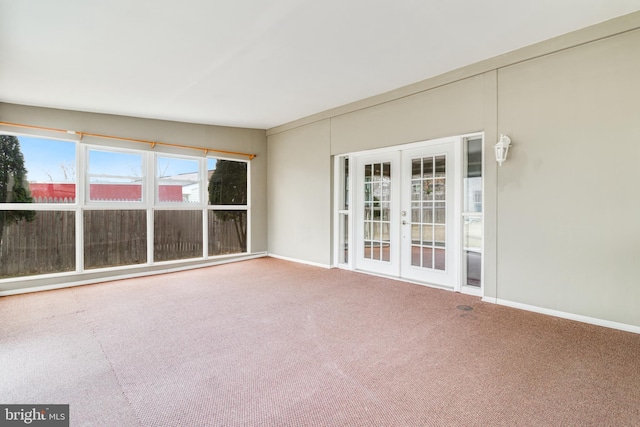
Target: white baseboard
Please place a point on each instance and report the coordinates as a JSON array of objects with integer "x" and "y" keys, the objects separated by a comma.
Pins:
[
  {"x": 168, "y": 268},
  {"x": 299, "y": 261},
  {"x": 565, "y": 315}
]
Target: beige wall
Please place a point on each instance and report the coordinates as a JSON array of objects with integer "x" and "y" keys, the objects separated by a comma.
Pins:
[
  {"x": 251, "y": 141},
  {"x": 451, "y": 109},
  {"x": 568, "y": 201},
  {"x": 300, "y": 194},
  {"x": 561, "y": 215}
]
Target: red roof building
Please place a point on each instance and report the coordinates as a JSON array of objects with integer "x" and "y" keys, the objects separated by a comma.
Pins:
[{"x": 52, "y": 192}]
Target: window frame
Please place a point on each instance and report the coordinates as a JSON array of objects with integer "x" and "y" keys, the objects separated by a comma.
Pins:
[
  {"x": 157, "y": 179},
  {"x": 246, "y": 207},
  {"x": 472, "y": 215},
  {"x": 105, "y": 204},
  {"x": 149, "y": 203}
]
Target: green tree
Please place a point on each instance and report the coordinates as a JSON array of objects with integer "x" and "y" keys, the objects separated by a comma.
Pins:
[
  {"x": 228, "y": 186},
  {"x": 14, "y": 187}
]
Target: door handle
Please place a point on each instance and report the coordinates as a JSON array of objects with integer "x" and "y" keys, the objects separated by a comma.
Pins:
[{"x": 404, "y": 222}]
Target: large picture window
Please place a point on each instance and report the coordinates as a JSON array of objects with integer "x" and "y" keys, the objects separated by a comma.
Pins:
[{"x": 68, "y": 207}]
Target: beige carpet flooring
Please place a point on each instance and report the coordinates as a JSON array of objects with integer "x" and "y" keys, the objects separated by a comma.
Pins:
[{"x": 272, "y": 343}]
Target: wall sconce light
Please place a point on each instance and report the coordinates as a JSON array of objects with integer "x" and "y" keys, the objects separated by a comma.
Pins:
[{"x": 502, "y": 148}]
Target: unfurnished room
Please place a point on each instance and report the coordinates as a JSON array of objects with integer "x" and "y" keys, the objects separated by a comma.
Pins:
[{"x": 337, "y": 213}]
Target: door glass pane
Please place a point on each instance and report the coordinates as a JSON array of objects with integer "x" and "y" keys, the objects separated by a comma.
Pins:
[
  {"x": 439, "y": 235},
  {"x": 427, "y": 257},
  {"x": 427, "y": 167},
  {"x": 415, "y": 212},
  {"x": 427, "y": 213},
  {"x": 473, "y": 233},
  {"x": 427, "y": 190},
  {"x": 439, "y": 259},
  {"x": 428, "y": 218},
  {"x": 472, "y": 220},
  {"x": 415, "y": 233},
  {"x": 416, "y": 188},
  {"x": 385, "y": 210},
  {"x": 345, "y": 188},
  {"x": 344, "y": 232},
  {"x": 427, "y": 235},
  {"x": 473, "y": 176},
  {"x": 386, "y": 255},
  {"x": 474, "y": 268},
  {"x": 386, "y": 171},
  {"x": 439, "y": 189},
  {"x": 440, "y": 162},
  {"x": 377, "y": 211},
  {"x": 440, "y": 213},
  {"x": 415, "y": 256},
  {"x": 416, "y": 168}
]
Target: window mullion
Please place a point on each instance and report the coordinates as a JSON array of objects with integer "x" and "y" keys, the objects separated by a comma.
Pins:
[
  {"x": 81, "y": 179},
  {"x": 204, "y": 173},
  {"x": 150, "y": 200},
  {"x": 248, "y": 237}
]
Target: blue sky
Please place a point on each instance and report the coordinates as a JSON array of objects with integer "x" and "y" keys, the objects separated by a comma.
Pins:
[
  {"x": 44, "y": 157},
  {"x": 46, "y": 161}
]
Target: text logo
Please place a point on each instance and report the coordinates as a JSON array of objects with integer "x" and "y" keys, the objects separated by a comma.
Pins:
[{"x": 34, "y": 415}]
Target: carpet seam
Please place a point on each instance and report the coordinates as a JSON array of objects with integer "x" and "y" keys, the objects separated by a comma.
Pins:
[{"x": 111, "y": 368}]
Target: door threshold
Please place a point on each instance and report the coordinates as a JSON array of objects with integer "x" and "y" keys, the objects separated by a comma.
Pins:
[{"x": 402, "y": 279}]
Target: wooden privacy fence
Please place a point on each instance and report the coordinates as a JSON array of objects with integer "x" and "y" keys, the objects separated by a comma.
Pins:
[
  {"x": 115, "y": 238},
  {"x": 44, "y": 245},
  {"x": 227, "y": 235},
  {"x": 177, "y": 235}
]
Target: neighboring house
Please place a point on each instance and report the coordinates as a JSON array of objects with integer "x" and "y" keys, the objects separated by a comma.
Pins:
[
  {"x": 190, "y": 185},
  {"x": 59, "y": 192}
]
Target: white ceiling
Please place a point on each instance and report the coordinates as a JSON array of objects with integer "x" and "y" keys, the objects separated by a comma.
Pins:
[{"x": 257, "y": 63}]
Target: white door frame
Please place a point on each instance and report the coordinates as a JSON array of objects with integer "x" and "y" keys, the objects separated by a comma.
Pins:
[
  {"x": 344, "y": 214},
  {"x": 350, "y": 262},
  {"x": 390, "y": 267},
  {"x": 450, "y": 276}
]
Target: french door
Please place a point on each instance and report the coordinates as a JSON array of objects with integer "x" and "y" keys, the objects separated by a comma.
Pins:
[
  {"x": 377, "y": 230},
  {"x": 429, "y": 235},
  {"x": 405, "y": 214}
]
